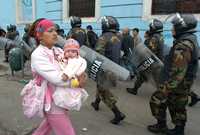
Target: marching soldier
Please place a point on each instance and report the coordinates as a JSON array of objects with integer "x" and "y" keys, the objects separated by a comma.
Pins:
[{"x": 108, "y": 45}]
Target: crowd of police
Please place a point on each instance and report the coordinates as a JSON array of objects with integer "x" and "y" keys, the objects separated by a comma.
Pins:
[{"x": 173, "y": 86}]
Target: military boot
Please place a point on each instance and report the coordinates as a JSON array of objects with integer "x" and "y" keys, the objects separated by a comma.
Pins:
[
  {"x": 160, "y": 127},
  {"x": 178, "y": 130},
  {"x": 132, "y": 90},
  {"x": 119, "y": 116},
  {"x": 95, "y": 104},
  {"x": 194, "y": 99}
]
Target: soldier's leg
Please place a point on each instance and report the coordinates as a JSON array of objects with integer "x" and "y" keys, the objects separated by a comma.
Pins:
[
  {"x": 158, "y": 105},
  {"x": 177, "y": 108},
  {"x": 194, "y": 98},
  {"x": 110, "y": 101},
  {"x": 97, "y": 101},
  {"x": 6, "y": 53},
  {"x": 138, "y": 83}
]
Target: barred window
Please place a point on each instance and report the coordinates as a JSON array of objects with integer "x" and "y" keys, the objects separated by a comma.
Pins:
[
  {"x": 88, "y": 10},
  {"x": 163, "y": 7},
  {"x": 82, "y": 8}
]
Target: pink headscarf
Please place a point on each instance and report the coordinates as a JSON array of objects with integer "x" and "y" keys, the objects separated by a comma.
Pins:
[{"x": 43, "y": 26}]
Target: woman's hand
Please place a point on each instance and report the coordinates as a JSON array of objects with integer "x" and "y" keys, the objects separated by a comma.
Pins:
[{"x": 82, "y": 80}]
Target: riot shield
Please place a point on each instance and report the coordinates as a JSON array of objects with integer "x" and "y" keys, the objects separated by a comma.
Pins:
[
  {"x": 147, "y": 63},
  {"x": 96, "y": 62}
]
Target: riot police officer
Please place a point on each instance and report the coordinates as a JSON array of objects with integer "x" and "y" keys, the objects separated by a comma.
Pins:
[
  {"x": 76, "y": 32},
  {"x": 108, "y": 45},
  {"x": 11, "y": 34},
  {"x": 155, "y": 44},
  {"x": 177, "y": 77},
  {"x": 2, "y": 32}
]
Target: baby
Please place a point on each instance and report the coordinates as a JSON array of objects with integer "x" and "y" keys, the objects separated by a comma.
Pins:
[{"x": 72, "y": 66}]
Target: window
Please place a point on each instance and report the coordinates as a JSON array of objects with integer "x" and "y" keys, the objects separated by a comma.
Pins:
[
  {"x": 88, "y": 10},
  {"x": 25, "y": 11},
  {"x": 173, "y": 6},
  {"x": 162, "y": 8}
]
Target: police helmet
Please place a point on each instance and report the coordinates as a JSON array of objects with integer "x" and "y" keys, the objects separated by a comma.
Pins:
[
  {"x": 75, "y": 21},
  {"x": 109, "y": 23},
  {"x": 185, "y": 23},
  {"x": 11, "y": 28},
  {"x": 2, "y": 30},
  {"x": 156, "y": 26}
]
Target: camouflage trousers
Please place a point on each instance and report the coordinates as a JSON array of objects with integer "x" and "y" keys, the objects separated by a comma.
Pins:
[
  {"x": 105, "y": 81},
  {"x": 176, "y": 103},
  {"x": 106, "y": 96},
  {"x": 140, "y": 80}
]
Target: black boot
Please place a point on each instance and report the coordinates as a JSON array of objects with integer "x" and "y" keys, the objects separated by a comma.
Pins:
[
  {"x": 160, "y": 127},
  {"x": 194, "y": 99},
  {"x": 119, "y": 116},
  {"x": 178, "y": 130},
  {"x": 132, "y": 91},
  {"x": 138, "y": 84},
  {"x": 95, "y": 104}
]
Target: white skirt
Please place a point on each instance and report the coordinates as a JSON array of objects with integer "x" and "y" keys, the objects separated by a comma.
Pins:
[{"x": 70, "y": 98}]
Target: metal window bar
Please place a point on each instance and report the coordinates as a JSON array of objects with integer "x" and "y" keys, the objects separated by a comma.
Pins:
[
  {"x": 82, "y": 8},
  {"x": 161, "y": 7}
]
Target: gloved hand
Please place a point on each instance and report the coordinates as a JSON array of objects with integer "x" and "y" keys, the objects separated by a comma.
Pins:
[{"x": 163, "y": 88}]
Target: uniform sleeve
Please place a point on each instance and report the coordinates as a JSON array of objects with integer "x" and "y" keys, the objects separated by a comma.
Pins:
[
  {"x": 100, "y": 46},
  {"x": 181, "y": 58},
  {"x": 46, "y": 69}
]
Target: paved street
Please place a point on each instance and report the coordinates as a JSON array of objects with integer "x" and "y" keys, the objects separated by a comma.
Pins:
[{"x": 136, "y": 109}]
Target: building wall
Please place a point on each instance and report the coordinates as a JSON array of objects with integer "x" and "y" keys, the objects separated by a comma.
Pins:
[
  {"x": 7, "y": 12},
  {"x": 128, "y": 12}
]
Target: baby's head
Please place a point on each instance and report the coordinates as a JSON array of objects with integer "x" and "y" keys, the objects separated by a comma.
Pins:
[{"x": 71, "y": 48}]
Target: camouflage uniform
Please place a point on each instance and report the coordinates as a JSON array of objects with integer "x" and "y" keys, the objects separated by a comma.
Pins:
[
  {"x": 108, "y": 45},
  {"x": 105, "y": 79},
  {"x": 78, "y": 34},
  {"x": 178, "y": 75}
]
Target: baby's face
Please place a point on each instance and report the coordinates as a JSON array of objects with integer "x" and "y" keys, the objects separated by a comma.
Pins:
[{"x": 71, "y": 53}]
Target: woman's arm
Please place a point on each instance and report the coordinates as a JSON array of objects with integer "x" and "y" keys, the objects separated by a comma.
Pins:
[{"x": 42, "y": 65}]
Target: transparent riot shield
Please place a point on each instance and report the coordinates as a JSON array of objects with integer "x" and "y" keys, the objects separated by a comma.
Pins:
[{"x": 147, "y": 62}]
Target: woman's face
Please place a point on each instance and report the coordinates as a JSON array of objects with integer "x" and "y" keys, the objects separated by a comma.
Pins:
[{"x": 49, "y": 37}]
